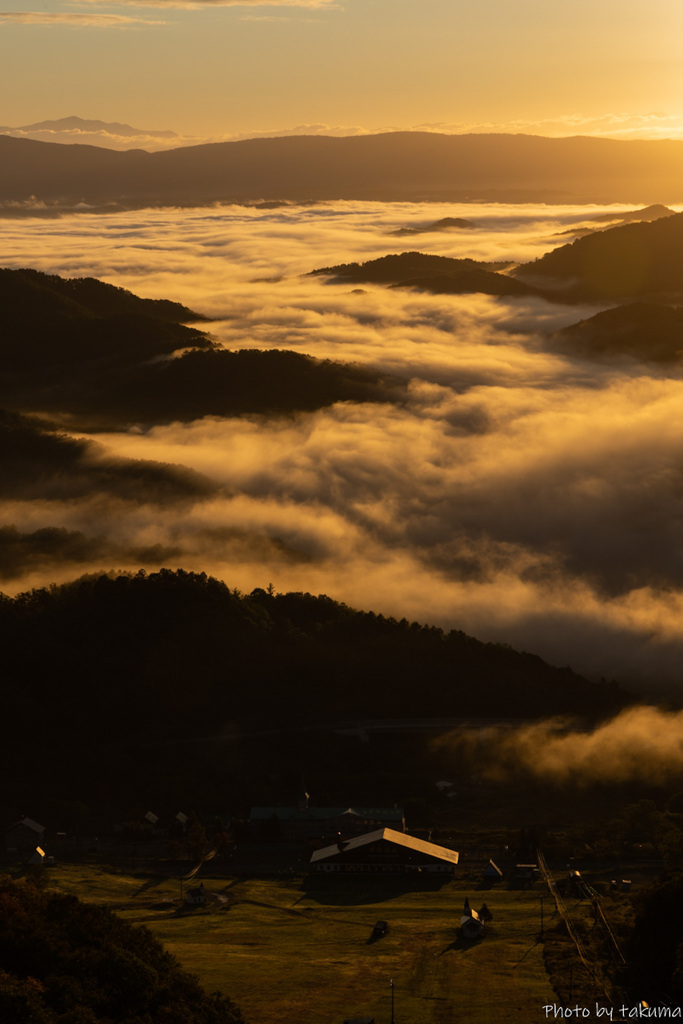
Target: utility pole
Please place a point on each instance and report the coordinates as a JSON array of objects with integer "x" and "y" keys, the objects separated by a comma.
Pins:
[
  {"x": 392, "y": 1000},
  {"x": 542, "y": 898}
]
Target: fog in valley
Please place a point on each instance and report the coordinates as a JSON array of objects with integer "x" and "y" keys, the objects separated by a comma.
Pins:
[{"x": 515, "y": 493}]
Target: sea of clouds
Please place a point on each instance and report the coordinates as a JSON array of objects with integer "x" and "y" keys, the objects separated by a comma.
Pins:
[{"x": 517, "y": 494}]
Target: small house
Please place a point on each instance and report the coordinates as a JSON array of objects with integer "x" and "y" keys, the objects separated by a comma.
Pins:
[
  {"x": 196, "y": 897},
  {"x": 37, "y": 857},
  {"x": 471, "y": 926}
]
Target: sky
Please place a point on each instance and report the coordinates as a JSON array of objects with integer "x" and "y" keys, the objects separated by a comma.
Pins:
[
  {"x": 220, "y": 69},
  {"x": 519, "y": 494}
]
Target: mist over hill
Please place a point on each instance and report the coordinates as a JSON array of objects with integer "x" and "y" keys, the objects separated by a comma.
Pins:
[
  {"x": 643, "y": 259},
  {"x": 404, "y": 166},
  {"x": 438, "y": 274},
  {"x": 101, "y": 356},
  {"x": 487, "y": 477},
  {"x": 635, "y": 259},
  {"x": 642, "y": 330}
]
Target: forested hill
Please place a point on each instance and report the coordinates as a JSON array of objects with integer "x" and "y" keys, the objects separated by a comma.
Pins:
[
  {"x": 105, "y": 359},
  {"x": 67, "y": 962},
  {"x": 641, "y": 260},
  {"x": 157, "y": 687},
  {"x": 185, "y": 652},
  {"x": 442, "y": 275}
]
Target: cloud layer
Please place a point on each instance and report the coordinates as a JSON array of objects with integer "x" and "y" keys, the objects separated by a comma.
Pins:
[
  {"x": 517, "y": 494},
  {"x": 73, "y": 20},
  {"x": 198, "y": 4}
]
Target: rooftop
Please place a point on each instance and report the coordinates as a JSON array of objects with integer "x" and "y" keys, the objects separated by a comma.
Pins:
[{"x": 391, "y": 836}]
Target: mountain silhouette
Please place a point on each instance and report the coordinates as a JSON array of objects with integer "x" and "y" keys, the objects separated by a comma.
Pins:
[
  {"x": 641, "y": 260},
  {"x": 440, "y": 275},
  {"x": 649, "y": 213},
  {"x": 399, "y": 166},
  {"x": 190, "y": 655},
  {"x": 65, "y": 124},
  {"x": 444, "y": 224},
  {"x": 104, "y": 358},
  {"x": 654, "y": 212},
  {"x": 645, "y": 331}
]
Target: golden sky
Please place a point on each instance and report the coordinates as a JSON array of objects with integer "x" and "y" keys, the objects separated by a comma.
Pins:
[{"x": 223, "y": 68}]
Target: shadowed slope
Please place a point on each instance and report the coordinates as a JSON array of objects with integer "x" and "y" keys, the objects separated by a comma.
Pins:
[
  {"x": 633, "y": 260},
  {"x": 424, "y": 272},
  {"x": 102, "y": 358}
]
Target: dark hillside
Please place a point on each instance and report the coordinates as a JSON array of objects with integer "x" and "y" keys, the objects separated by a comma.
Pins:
[
  {"x": 425, "y": 272},
  {"x": 641, "y": 330},
  {"x": 50, "y": 321},
  {"x": 33, "y": 293},
  {"x": 44, "y": 464},
  {"x": 633, "y": 260},
  {"x": 103, "y": 358},
  {"x": 67, "y": 962},
  {"x": 108, "y": 670}
]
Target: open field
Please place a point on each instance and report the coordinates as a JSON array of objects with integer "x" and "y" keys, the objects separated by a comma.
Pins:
[{"x": 295, "y": 950}]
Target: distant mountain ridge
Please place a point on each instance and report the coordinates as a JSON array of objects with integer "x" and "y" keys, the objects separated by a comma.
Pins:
[
  {"x": 398, "y": 166},
  {"x": 81, "y": 124},
  {"x": 108, "y": 134}
]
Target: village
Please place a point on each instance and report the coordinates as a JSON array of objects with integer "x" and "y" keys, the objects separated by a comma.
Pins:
[{"x": 399, "y": 888}]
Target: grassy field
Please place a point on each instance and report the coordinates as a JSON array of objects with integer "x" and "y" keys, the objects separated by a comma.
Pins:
[{"x": 293, "y": 951}]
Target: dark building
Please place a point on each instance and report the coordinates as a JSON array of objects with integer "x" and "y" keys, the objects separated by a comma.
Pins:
[{"x": 23, "y": 836}]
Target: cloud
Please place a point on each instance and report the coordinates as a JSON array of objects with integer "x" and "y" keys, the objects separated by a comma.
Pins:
[
  {"x": 74, "y": 20},
  {"x": 198, "y": 4},
  {"x": 656, "y": 125},
  {"x": 54, "y": 548},
  {"x": 640, "y": 744},
  {"x": 108, "y": 137}
]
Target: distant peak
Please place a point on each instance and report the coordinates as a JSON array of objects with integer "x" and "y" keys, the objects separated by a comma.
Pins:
[{"x": 74, "y": 123}]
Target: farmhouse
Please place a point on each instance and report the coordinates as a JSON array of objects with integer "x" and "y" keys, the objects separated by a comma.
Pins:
[
  {"x": 384, "y": 850},
  {"x": 196, "y": 897}
]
